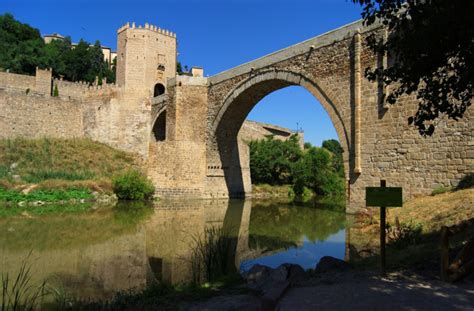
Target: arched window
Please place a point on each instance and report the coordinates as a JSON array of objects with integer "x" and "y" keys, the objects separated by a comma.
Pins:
[
  {"x": 159, "y": 128},
  {"x": 159, "y": 89}
]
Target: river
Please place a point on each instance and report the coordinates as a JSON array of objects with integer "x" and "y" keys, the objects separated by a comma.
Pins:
[{"x": 94, "y": 254}]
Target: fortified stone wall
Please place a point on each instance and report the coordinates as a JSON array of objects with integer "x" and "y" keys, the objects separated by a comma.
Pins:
[
  {"x": 17, "y": 81},
  {"x": 106, "y": 118},
  {"x": 35, "y": 116},
  {"x": 83, "y": 89}
]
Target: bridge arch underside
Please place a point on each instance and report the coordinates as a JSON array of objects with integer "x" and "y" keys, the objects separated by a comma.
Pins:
[{"x": 230, "y": 155}]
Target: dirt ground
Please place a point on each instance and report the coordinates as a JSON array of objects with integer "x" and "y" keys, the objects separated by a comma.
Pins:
[{"x": 358, "y": 291}]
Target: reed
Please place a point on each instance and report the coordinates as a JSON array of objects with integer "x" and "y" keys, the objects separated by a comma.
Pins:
[
  {"x": 212, "y": 255},
  {"x": 18, "y": 293}
]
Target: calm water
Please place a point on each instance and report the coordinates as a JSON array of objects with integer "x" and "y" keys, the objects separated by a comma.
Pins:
[{"x": 95, "y": 254}]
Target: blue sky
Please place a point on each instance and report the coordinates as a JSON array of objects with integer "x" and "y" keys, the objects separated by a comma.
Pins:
[{"x": 214, "y": 34}]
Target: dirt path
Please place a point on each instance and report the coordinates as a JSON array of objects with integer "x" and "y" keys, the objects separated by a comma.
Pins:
[
  {"x": 369, "y": 292},
  {"x": 352, "y": 291}
]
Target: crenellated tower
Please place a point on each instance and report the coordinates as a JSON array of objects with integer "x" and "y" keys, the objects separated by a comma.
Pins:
[{"x": 146, "y": 58}]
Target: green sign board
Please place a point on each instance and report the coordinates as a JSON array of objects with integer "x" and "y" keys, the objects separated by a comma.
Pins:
[{"x": 383, "y": 196}]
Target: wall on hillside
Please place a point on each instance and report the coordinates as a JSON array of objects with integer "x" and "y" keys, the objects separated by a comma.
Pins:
[
  {"x": 16, "y": 81},
  {"x": 36, "y": 116},
  {"x": 120, "y": 121}
]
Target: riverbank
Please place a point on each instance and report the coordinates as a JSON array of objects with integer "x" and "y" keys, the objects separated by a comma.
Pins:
[
  {"x": 60, "y": 172},
  {"x": 413, "y": 233},
  {"x": 412, "y": 259},
  {"x": 279, "y": 192}
]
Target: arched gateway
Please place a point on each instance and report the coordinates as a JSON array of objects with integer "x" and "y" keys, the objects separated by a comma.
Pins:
[
  {"x": 223, "y": 148},
  {"x": 202, "y": 157}
]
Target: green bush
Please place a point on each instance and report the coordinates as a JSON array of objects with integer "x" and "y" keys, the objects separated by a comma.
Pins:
[
  {"x": 440, "y": 190},
  {"x": 132, "y": 185},
  {"x": 466, "y": 182}
]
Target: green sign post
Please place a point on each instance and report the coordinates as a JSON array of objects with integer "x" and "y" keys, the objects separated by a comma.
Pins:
[{"x": 384, "y": 197}]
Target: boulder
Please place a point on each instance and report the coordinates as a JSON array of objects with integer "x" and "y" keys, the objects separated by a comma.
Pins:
[
  {"x": 271, "y": 284},
  {"x": 331, "y": 264}
]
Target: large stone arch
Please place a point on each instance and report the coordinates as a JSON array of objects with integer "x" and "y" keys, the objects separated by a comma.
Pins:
[{"x": 234, "y": 108}]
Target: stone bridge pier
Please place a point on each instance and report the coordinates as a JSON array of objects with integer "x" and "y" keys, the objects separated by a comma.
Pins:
[{"x": 199, "y": 154}]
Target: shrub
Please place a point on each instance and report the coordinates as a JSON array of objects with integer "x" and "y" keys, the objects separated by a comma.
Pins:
[
  {"x": 55, "y": 92},
  {"x": 402, "y": 235},
  {"x": 466, "y": 182},
  {"x": 440, "y": 190},
  {"x": 132, "y": 185}
]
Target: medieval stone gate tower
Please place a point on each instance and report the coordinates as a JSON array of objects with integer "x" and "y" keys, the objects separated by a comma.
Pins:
[{"x": 146, "y": 58}]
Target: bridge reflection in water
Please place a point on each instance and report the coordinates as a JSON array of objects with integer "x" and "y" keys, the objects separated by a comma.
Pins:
[{"x": 94, "y": 255}]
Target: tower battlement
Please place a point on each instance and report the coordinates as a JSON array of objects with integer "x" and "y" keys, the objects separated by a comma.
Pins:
[
  {"x": 147, "y": 26},
  {"x": 146, "y": 58}
]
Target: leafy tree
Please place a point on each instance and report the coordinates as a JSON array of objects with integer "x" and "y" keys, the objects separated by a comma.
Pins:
[
  {"x": 21, "y": 46},
  {"x": 335, "y": 148},
  {"x": 22, "y": 49},
  {"x": 431, "y": 44},
  {"x": 271, "y": 160},
  {"x": 278, "y": 162},
  {"x": 53, "y": 56},
  {"x": 56, "y": 91}
]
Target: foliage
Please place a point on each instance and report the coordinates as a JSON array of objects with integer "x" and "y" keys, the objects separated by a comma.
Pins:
[
  {"x": 56, "y": 91},
  {"x": 335, "y": 148},
  {"x": 21, "y": 46},
  {"x": 132, "y": 185},
  {"x": 431, "y": 50},
  {"x": 401, "y": 235},
  {"x": 23, "y": 49},
  {"x": 278, "y": 162},
  {"x": 440, "y": 190},
  {"x": 18, "y": 293},
  {"x": 271, "y": 160},
  {"x": 211, "y": 255},
  {"x": 41, "y": 175},
  {"x": 466, "y": 182},
  {"x": 12, "y": 195}
]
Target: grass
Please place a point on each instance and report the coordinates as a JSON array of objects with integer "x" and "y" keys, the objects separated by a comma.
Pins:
[
  {"x": 212, "y": 255},
  {"x": 36, "y": 160},
  {"x": 420, "y": 221},
  {"x": 18, "y": 293},
  {"x": 440, "y": 190},
  {"x": 41, "y": 175},
  {"x": 52, "y": 170}
]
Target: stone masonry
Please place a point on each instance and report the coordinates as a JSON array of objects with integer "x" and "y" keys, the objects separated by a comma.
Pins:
[{"x": 187, "y": 127}]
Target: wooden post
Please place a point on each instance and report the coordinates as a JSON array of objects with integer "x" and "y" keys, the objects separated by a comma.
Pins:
[
  {"x": 444, "y": 253},
  {"x": 383, "y": 184}
]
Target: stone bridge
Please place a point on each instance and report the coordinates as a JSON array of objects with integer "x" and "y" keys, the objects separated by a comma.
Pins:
[
  {"x": 186, "y": 128},
  {"x": 201, "y": 155}
]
